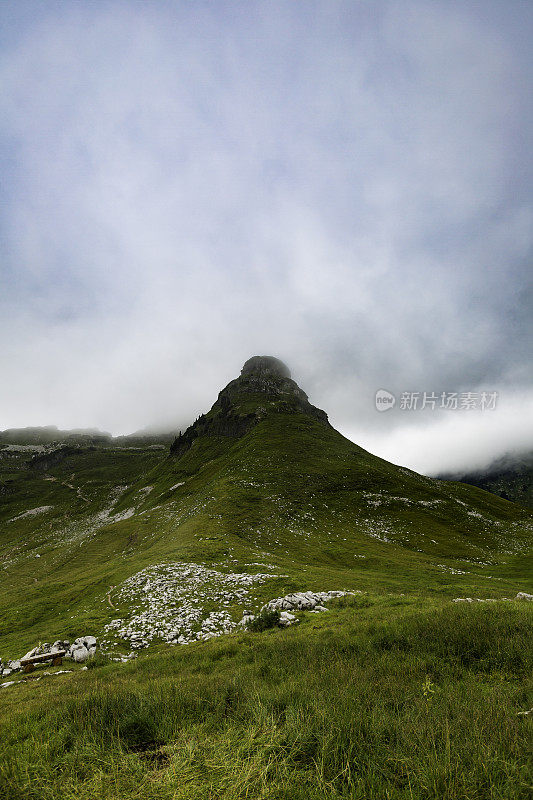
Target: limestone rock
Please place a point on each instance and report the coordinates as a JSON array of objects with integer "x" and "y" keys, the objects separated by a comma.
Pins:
[
  {"x": 304, "y": 601},
  {"x": 80, "y": 654},
  {"x": 286, "y": 619},
  {"x": 30, "y": 653},
  {"x": 86, "y": 642}
]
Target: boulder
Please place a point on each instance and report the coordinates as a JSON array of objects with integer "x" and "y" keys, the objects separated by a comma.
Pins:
[
  {"x": 80, "y": 654},
  {"x": 82, "y": 643},
  {"x": 30, "y": 653},
  {"x": 89, "y": 642},
  {"x": 524, "y": 596},
  {"x": 286, "y": 619}
]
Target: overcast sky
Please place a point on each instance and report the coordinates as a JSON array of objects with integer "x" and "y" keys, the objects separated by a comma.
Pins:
[{"x": 345, "y": 185}]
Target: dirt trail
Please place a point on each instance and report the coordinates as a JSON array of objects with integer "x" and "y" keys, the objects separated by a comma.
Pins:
[{"x": 69, "y": 486}]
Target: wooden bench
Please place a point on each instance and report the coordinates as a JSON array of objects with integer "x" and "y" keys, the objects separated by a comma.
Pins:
[{"x": 28, "y": 664}]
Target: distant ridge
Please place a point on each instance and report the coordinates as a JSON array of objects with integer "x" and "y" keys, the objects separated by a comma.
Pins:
[
  {"x": 510, "y": 477},
  {"x": 50, "y": 435}
]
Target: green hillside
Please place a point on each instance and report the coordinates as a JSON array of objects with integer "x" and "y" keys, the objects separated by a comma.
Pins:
[{"x": 259, "y": 498}]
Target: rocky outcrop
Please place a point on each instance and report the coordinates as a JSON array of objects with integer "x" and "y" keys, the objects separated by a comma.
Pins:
[
  {"x": 79, "y": 651},
  {"x": 82, "y": 648},
  {"x": 227, "y": 423},
  {"x": 46, "y": 461},
  {"x": 305, "y": 601},
  {"x": 299, "y": 601}
]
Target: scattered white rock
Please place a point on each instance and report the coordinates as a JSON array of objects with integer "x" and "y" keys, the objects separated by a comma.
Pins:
[
  {"x": 519, "y": 596},
  {"x": 123, "y": 515},
  {"x": 170, "y": 603},
  {"x": 32, "y": 512},
  {"x": 298, "y": 601}
]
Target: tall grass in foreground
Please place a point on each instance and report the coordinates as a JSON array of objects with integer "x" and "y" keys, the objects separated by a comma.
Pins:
[{"x": 421, "y": 705}]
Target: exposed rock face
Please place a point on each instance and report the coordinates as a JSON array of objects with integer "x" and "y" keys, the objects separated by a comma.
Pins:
[
  {"x": 265, "y": 367},
  {"x": 50, "y": 460},
  {"x": 268, "y": 375},
  {"x": 263, "y": 379}
]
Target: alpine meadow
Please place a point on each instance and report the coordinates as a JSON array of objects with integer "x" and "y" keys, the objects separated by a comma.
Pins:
[{"x": 266, "y": 400}]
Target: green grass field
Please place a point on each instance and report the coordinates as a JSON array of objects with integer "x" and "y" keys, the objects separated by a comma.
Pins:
[{"x": 384, "y": 697}]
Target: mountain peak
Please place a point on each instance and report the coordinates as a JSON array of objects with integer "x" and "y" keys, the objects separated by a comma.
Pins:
[{"x": 263, "y": 387}]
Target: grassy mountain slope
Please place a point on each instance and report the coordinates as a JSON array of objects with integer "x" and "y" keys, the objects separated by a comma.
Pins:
[
  {"x": 394, "y": 693},
  {"x": 283, "y": 489}
]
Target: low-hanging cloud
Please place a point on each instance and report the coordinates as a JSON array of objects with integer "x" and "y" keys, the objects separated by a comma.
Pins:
[{"x": 344, "y": 185}]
